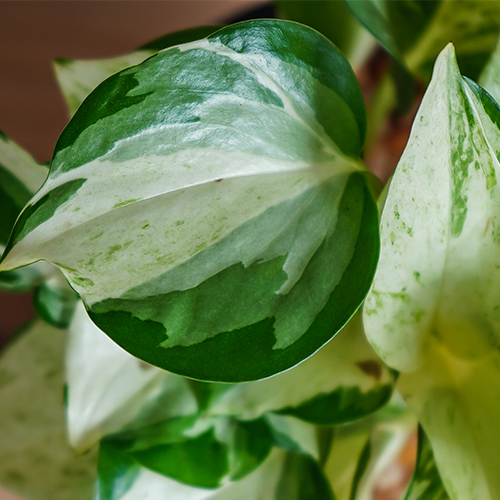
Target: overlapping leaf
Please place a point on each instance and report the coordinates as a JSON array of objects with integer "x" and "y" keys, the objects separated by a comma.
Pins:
[
  {"x": 342, "y": 382},
  {"x": 20, "y": 177},
  {"x": 415, "y": 31},
  {"x": 77, "y": 78},
  {"x": 282, "y": 475},
  {"x": 208, "y": 204},
  {"x": 35, "y": 459},
  {"x": 433, "y": 310},
  {"x": 110, "y": 391}
]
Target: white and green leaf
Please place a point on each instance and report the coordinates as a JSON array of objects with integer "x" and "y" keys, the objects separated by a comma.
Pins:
[
  {"x": 77, "y": 78},
  {"x": 20, "y": 177},
  {"x": 202, "y": 452},
  {"x": 35, "y": 458},
  {"x": 209, "y": 207},
  {"x": 110, "y": 391},
  {"x": 433, "y": 312}
]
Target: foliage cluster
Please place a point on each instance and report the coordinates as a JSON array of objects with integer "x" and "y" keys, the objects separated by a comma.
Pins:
[{"x": 273, "y": 335}]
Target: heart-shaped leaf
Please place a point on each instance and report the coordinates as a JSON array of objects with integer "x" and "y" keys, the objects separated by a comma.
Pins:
[{"x": 209, "y": 206}]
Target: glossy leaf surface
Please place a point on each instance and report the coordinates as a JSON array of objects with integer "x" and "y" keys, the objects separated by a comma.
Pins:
[
  {"x": 35, "y": 458},
  {"x": 223, "y": 176},
  {"x": 20, "y": 177},
  {"x": 77, "y": 78},
  {"x": 433, "y": 309}
]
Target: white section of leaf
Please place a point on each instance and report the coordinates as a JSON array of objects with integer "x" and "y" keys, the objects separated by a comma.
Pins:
[
  {"x": 21, "y": 165},
  {"x": 190, "y": 213},
  {"x": 264, "y": 480},
  {"x": 109, "y": 390}
]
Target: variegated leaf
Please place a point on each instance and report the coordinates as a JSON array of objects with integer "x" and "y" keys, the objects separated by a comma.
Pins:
[
  {"x": 20, "y": 177},
  {"x": 433, "y": 310},
  {"x": 77, "y": 78},
  {"x": 110, "y": 391},
  {"x": 209, "y": 206},
  {"x": 35, "y": 458}
]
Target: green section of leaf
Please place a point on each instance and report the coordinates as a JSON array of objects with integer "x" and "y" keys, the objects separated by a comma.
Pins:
[
  {"x": 345, "y": 367},
  {"x": 425, "y": 483},
  {"x": 35, "y": 459},
  {"x": 433, "y": 310},
  {"x": 303, "y": 479},
  {"x": 341, "y": 406},
  {"x": 55, "y": 302},
  {"x": 116, "y": 473},
  {"x": 204, "y": 453},
  {"x": 110, "y": 391}
]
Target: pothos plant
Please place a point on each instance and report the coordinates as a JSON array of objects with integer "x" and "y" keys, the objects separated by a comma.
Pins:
[{"x": 208, "y": 205}]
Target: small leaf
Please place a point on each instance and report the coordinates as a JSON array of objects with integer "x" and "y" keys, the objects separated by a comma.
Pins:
[
  {"x": 55, "y": 301},
  {"x": 35, "y": 459},
  {"x": 198, "y": 451},
  {"x": 20, "y": 177},
  {"x": 223, "y": 176},
  {"x": 432, "y": 313},
  {"x": 77, "y": 78},
  {"x": 281, "y": 476}
]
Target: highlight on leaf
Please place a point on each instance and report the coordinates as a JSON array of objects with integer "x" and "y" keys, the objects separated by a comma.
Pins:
[{"x": 223, "y": 175}]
